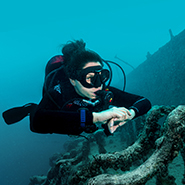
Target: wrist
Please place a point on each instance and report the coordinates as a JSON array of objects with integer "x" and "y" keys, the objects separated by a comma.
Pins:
[{"x": 95, "y": 117}]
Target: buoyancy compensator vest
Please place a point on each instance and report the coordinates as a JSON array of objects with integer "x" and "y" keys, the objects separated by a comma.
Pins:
[{"x": 57, "y": 80}]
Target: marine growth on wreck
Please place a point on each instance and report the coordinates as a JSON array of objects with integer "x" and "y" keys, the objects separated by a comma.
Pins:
[{"x": 156, "y": 146}]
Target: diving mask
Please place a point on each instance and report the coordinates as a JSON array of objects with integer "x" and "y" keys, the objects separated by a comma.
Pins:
[{"x": 93, "y": 76}]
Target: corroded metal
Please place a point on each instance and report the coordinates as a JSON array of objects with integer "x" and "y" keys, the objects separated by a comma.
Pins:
[{"x": 165, "y": 142}]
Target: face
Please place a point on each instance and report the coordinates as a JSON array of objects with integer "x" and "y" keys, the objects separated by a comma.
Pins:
[{"x": 83, "y": 91}]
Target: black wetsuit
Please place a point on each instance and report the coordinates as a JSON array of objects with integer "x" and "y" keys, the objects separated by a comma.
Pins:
[{"x": 58, "y": 111}]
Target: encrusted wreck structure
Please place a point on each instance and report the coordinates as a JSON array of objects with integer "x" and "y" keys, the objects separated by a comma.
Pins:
[
  {"x": 156, "y": 147},
  {"x": 142, "y": 149}
]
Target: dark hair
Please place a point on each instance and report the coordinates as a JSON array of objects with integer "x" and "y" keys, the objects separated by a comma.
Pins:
[{"x": 76, "y": 56}]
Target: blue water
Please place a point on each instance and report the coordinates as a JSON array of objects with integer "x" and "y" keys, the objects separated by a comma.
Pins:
[
  {"x": 31, "y": 33},
  {"x": 24, "y": 154}
]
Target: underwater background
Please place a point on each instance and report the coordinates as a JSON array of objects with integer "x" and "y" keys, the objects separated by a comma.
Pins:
[{"x": 32, "y": 32}]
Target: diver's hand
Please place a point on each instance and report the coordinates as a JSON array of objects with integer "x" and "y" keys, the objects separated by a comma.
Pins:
[
  {"x": 113, "y": 124},
  {"x": 129, "y": 117},
  {"x": 118, "y": 113}
]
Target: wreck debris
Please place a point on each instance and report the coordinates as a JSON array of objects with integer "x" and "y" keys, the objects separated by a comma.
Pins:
[
  {"x": 167, "y": 150},
  {"x": 37, "y": 180},
  {"x": 164, "y": 141},
  {"x": 123, "y": 160},
  {"x": 171, "y": 34}
]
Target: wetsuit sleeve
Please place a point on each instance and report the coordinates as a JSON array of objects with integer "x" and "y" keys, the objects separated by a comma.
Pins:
[
  {"x": 138, "y": 103},
  {"x": 49, "y": 120}
]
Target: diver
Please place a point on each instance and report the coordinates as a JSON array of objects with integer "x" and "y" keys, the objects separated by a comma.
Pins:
[{"x": 76, "y": 98}]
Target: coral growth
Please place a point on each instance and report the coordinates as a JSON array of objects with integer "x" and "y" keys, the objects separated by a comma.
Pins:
[{"x": 162, "y": 141}]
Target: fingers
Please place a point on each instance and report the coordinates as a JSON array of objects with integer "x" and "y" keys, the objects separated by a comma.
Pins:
[
  {"x": 118, "y": 113},
  {"x": 124, "y": 110},
  {"x": 122, "y": 123},
  {"x": 111, "y": 126},
  {"x": 121, "y": 113}
]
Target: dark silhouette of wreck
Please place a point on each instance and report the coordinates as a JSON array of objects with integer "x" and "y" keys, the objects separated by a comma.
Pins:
[{"x": 161, "y": 77}]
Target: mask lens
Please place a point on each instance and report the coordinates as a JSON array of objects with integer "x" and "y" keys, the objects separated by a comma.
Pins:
[
  {"x": 90, "y": 78},
  {"x": 97, "y": 78},
  {"x": 104, "y": 75},
  {"x": 93, "y": 76}
]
